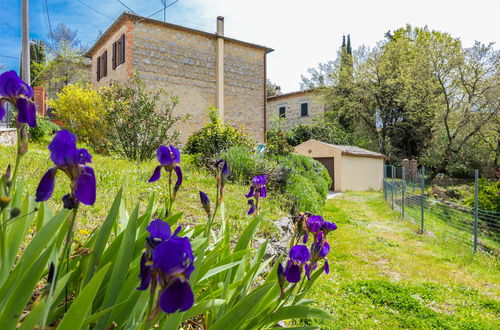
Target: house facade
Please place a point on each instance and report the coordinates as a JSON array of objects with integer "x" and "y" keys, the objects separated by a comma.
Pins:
[
  {"x": 203, "y": 69},
  {"x": 294, "y": 108}
]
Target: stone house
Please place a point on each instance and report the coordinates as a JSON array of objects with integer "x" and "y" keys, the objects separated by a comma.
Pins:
[
  {"x": 203, "y": 69},
  {"x": 295, "y": 108}
]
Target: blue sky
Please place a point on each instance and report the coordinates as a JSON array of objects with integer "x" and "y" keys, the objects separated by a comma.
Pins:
[{"x": 303, "y": 33}]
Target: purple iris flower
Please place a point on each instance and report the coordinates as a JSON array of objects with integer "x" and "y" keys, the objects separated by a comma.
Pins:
[
  {"x": 169, "y": 158},
  {"x": 72, "y": 161},
  {"x": 258, "y": 187},
  {"x": 328, "y": 227},
  {"x": 314, "y": 223},
  {"x": 299, "y": 255},
  {"x": 168, "y": 261},
  {"x": 14, "y": 90},
  {"x": 251, "y": 210},
  {"x": 319, "y": 250}
]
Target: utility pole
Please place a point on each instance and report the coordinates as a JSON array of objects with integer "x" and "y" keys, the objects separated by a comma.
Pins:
[
  {"x": 25, "y": 39},
  {"x": 164, "y": 2}
]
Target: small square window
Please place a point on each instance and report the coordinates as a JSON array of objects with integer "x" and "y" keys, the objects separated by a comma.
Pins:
[
  {"x": 304, "y": 109},
  {"x": 282, "y": 111}
]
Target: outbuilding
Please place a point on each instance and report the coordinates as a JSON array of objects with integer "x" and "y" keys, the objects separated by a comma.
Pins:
[{"x": 350, "y": 167}]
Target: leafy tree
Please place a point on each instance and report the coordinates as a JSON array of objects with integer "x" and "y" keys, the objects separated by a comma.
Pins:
[
  {"x": 319, "y": 130},
  {"x": 272, "y": 89},
  {"x": 37, "y": 61},
  {"x": 469, "y": 82},
  {"x": 67, "y": 62}
]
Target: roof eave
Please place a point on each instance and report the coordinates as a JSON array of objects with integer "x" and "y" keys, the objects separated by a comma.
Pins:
[{"x": 132, "y": 16}]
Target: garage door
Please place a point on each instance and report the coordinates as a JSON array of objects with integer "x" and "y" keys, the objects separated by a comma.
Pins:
[{"x": 328, "y": 163}]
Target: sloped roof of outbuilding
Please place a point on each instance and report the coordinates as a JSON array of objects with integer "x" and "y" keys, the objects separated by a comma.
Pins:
[{"x": 352, "y": 150}]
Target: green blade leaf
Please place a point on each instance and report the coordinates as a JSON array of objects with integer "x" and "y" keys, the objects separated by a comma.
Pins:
[
  {"x": 21, "y": 292},
  {"x": 120, "y": 267},
  {"x": 201, "y": 308},
  {"x": 242, "y": 310},
  {"x": 300, "y": 311},
  {"x": 248, "y": 233},
  {"x": 102, "y": 237},
  {"x": 218, "y": 270},
  {"x": 75, "y": 317}
]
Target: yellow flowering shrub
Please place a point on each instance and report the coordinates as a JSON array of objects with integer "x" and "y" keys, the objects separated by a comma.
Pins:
[{"x": 80, "y": 108}]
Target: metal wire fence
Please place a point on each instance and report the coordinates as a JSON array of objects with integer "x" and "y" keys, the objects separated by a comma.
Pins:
[{"x": 450, "y": 223}]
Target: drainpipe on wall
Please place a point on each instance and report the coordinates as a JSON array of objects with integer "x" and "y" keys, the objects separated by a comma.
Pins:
[{"x": 219, "y": 80}]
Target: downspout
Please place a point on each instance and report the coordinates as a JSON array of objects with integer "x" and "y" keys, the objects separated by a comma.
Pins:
[
  {"x": 219, "y": 75},
  {"x": 265, "y": 97}
]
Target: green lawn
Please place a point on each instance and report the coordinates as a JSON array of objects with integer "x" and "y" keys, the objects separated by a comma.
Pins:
[{"x": 385, "y": 275}]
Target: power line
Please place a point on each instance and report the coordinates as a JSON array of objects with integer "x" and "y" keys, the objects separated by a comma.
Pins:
[
  {"x": 48, "y": 16},
  {"x": 156, "y": 12},
  {"x": 16, "y": 57},
  {"x": 125, "y": 6},
  {"x": 97, "y": 11}
]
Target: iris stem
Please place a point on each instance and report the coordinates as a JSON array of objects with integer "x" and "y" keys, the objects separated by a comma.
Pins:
[
  {"x": 170, "y": 194},
  {"x": 67, "y": 247},
  {"x": 212, "y": 218},
  {"x": 18, "y": 155}
]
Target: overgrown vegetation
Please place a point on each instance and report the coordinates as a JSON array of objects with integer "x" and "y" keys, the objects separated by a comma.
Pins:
[
  {"x": 214, "y": 138},
  {"x": 306, "y": 183},
  {"x": 303, "y": 181}
]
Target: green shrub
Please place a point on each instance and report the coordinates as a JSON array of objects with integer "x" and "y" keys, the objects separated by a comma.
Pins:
[
  {"x": 214, "y": 138},
  {"x": 306, "y": 183},
  {"x": 277, "y": 143},
  {"x": 43, "y": 129},
  {"x": 319, "y": 130},
  {"x": 137, "y": 119},
  {"x": 243, "y": 164},
  {"x": 488, "y": 197}
]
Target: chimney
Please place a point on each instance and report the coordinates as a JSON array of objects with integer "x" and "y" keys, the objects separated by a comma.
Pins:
[
  {"x": 220, "y": 25},
  {"x": 219, "y": 74}
]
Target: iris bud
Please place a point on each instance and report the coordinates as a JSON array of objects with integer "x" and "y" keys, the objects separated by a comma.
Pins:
[
  {"x": 15, "y": 212},
  {"x": 205, "y": 202}
]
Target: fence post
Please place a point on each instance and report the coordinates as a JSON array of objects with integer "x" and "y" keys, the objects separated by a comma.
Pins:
[
  {"x": 392, "y": 186},
  {"x": 476, "y": 193},
  {"x": 403, "y": 187},
  {"x": 383, "y": 182},
  {"x": 422, "y": 197}
]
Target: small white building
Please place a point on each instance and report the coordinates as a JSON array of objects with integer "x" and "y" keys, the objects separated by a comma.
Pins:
[{"x": 350, "y": 167}]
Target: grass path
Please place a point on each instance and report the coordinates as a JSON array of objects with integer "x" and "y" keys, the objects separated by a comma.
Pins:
[{"x": 385, "y": 275}]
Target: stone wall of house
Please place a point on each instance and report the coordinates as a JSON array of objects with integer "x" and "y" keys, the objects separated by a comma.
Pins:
[
  {"x": 184, "y": 64},
  {"x": 8, "y": 137},
  {"x": 292, "y": 103},
  {"x": 244, "y": 88},
  {"x": 121, "y": 72}
]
